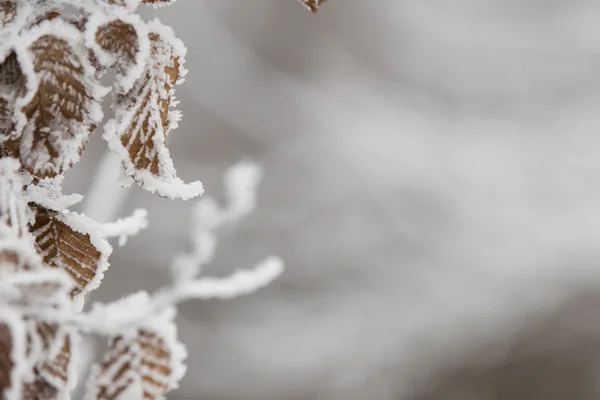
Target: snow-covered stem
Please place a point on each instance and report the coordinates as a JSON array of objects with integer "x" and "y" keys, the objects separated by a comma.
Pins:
[{"x": 124, "y": 228}]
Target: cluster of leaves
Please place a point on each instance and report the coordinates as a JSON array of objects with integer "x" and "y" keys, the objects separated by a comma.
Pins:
[
  {"x": 53, "y": 54},
  {"x": 54, "y": 62}
]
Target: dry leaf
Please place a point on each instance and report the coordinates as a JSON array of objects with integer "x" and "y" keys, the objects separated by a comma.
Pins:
[
  {"x": 52, "y": 364},
  {"x": 134, "y": 367},
  {"x": 312, "y": 5},
  {"x": 139, "y": 138},
  {"x": 118, "y": 38},
  {"x": 72, "y": 250},
  {"x": 138, "y": 133},
  {"x": 59, "y": 117},
  {"x": 56, "y": 368}
]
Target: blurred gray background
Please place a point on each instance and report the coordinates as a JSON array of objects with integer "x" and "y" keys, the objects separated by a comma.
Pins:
[{"x": 432, "y": 175}]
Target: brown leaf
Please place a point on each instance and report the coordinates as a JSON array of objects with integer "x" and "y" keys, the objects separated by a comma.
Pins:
[
  {"x": 58, "y": 116},
  {"x": 120, "y": 39},
  {"x": 312, "y": 5},
  {"x": 10, "y": 71},
  {"x": 143, "y": 359},
  {"x": 63, "y": 247},
  {"x": 139, "y": 131},
  {"x": 56, "y": 369},
  {"x": 139, "y": 137},
  {"x": 52, "y": 370}
]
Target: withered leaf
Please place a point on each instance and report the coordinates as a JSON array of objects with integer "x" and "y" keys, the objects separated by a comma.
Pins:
[
  {"x": 62, "y": 112},
  {"x": 135, "y": 366},
  {"x": 312, "y": 5},
  {"x": 139, "y": 138},
  {"x": 56, "y": 368},
  {"x": 120, "y": 40},
  {"x": 72, "y": 250},
  {"x": 138, "y": 133},
  {"x": 52, "y": 370}
]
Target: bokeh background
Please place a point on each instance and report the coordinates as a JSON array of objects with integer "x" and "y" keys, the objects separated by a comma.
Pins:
[{"x": 432, "y": 175}]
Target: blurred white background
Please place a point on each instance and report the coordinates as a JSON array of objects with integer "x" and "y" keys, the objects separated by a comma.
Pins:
[{"x": 432, "y": 180}]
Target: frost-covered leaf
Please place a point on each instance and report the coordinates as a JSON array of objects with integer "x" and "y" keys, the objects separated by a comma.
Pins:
[
  {"x": 312, "y": 5},
  {"x": 119, "y": 40},
  {"x": 138, "y": 133},
  {"x": 145, "y": 363},
  {"x": 56, "y": 370},
  {"x": 74, "y": 243},
  {"x": 59, "y": 104},
  {"x": 53, "y": 370}
]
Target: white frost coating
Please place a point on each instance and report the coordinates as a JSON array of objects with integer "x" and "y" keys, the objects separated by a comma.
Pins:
[
  {"x": 82, "y": 224},
  {"x": 123, "y": 228},
  {"x": 112, "y": 318},
  {"x": 42, "y": 289},
  {"x": 123, "y": 83},
  {"x": 20, "y": 369},
  {"x": 241, "y": 183},
  {"x": 140, "y": 307},
  {"x": 240, "y": 283},
  {"x": 48, "y": 193}
]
